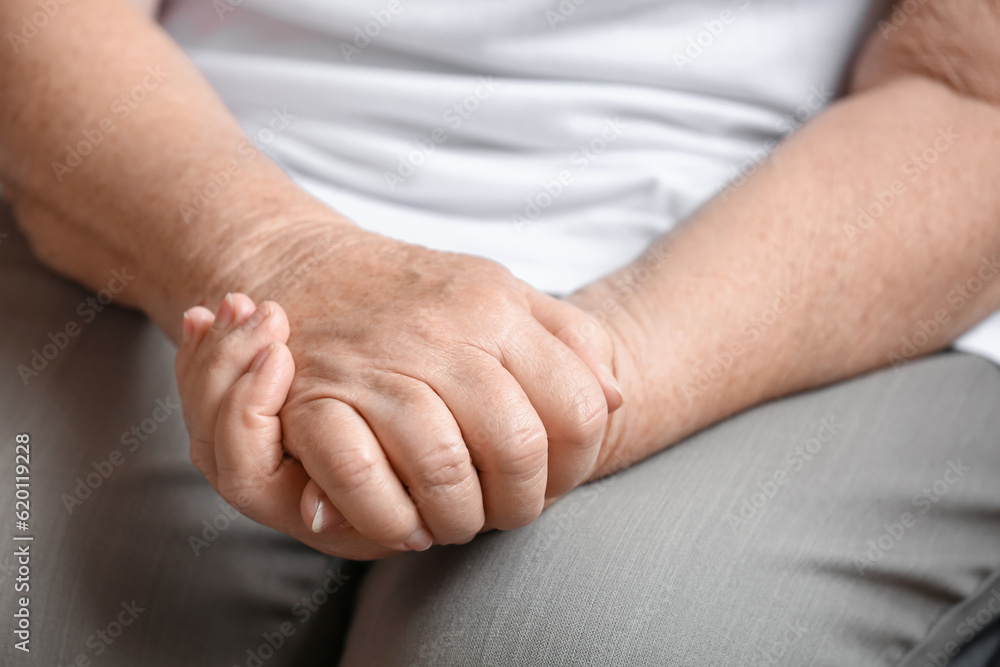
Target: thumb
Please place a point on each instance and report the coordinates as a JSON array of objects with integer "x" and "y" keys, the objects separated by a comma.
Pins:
[{"x": 585, "y": 336}]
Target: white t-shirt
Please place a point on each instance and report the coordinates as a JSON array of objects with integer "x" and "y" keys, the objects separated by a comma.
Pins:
[{"x": 558, "y": 137}]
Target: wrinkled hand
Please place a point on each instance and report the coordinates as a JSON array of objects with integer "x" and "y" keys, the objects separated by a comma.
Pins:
[
  {"x": 433, "y": 395},
  {"x": 234, "y": 372}
]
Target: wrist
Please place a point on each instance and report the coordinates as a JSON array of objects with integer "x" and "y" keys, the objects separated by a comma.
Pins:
[
  {"x": 667, "y": 358},
  {"x": 614, "y": 308},
  {"x": 254, "y": 249}
]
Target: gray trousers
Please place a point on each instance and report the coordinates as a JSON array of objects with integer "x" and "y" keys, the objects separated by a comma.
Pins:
[{"x": 857, "y": 524}]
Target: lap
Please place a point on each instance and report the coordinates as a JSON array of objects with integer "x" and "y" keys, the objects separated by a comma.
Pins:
[
  {"x": 135, "y": 559},
  {"x": 857, "y": 524}
]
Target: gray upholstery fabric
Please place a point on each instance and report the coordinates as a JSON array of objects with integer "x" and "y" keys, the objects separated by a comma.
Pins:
[
  {"x": 733, "y": 549},
  {"x": 641, "y": 569}
]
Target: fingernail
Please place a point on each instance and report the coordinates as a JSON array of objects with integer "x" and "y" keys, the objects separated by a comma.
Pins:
[
  {"x": 420, "y": 540},
  {"x": 317, "y": 526},
  {"x": 227, "y": 310},
  {"x": 187, "y": 329},
  {"x": 610, "y": 378},
  {"x": 256, "y": 318},
  {"x": 261, "y": 358}
]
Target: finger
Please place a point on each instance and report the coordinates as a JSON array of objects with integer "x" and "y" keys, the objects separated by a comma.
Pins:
[
  {"x": 196, "y": 323},
  {"x": 585, "y": 336},
  {"x": 339, "y": 451},
  {"x": 225, "y": 352},
  {"x": 425, "y": 447},
  {"x": 255, "y": 475},
  {"x": 224, "y": 355},
  {"x": 259, "y": 480},
  {"x": 199, "y": 322},
  {"x": 248, "y": 445},
  {"x": 329, "y": 531},
  {"x": 321, "y": 515},
  {"x": 234, "y": 309},
  {"x": 253, "y": 472},
  {"x": 568, "y": 400},
  {"x": 504, "y": 436}
]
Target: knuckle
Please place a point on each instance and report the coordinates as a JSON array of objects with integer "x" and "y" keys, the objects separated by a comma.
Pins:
[
  {"x": 249, "y": 421},
  {"x": 496, "y": 273},
  {"x": 443, "y": 469},
  {"x": 587, "y": 415},
  {"x": 354, "y": 469},
  {"x": 489, "y": 296},
  {"x": 527, "y": 453},
  {"x": 526, "y": 465},
  {"x": 493, "y": 300}
]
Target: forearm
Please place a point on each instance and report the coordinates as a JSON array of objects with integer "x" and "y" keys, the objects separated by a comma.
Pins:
[
  {"x": 783, "y": 285},
  {"x": 108, "y": 136}
]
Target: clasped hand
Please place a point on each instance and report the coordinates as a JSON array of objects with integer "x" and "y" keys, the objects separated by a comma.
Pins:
[{"x": 397, "y": 397}]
